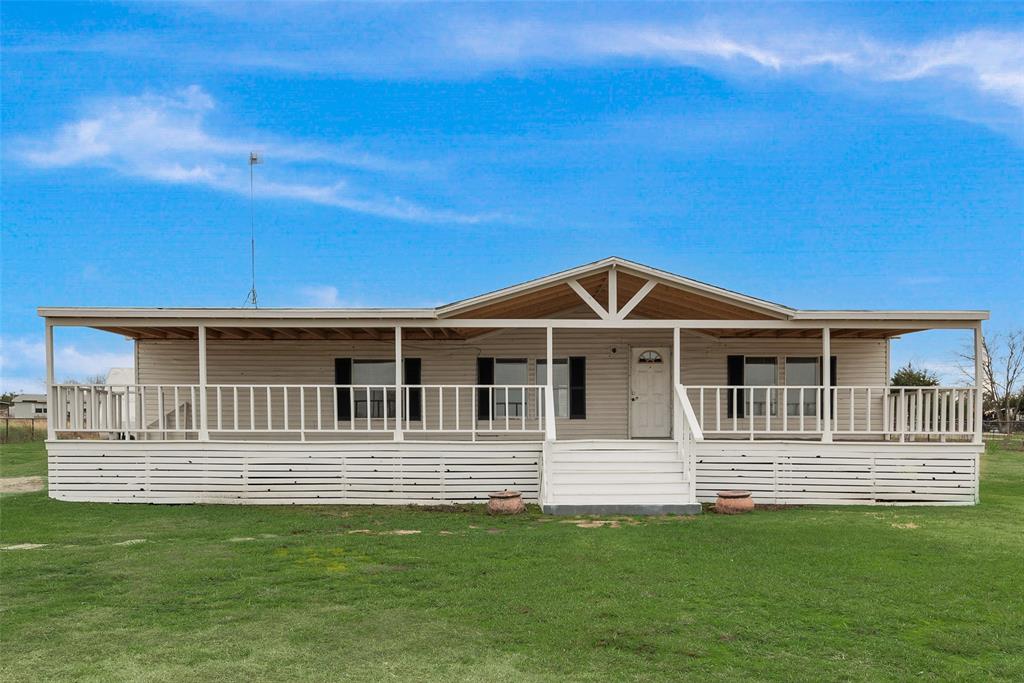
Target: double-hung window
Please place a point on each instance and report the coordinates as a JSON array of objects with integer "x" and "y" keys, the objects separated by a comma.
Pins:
[
  {"x": 510, "y": 402},
  {"x": 560, "y": 381},
  {"x": 802, "y": 372},
  {"x": 761, "y": 372},
  {"x": 371, "y": 396}
]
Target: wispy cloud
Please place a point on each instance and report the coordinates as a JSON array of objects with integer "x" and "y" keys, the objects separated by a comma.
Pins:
[
  {"x": 989, "y": 63},
  {"x": 167, "y": 138},
  {"x": 322, "y": 296},
  {"x": 22, "y": 363}
]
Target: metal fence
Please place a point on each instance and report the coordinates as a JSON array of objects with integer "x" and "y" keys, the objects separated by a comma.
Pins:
[{"x": 22, "y": 429}]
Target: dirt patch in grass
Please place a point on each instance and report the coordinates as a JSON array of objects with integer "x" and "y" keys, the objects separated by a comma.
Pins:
[{"x": 21, "y": 484}]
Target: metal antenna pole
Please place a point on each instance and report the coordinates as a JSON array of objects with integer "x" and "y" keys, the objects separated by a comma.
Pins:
[{"x": 254, "y": 158}]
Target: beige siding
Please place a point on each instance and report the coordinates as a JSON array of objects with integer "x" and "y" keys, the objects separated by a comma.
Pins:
[{"x": 861, "y": 362}]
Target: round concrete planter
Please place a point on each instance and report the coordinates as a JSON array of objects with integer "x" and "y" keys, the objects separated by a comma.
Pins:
[
  {"x": 505, "y": 503},
  {"x": 734, "y": 502}
]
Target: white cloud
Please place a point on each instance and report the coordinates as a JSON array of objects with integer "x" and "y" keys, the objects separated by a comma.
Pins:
[
  {"x": 23, "y": 363},
  {"x": 321, "y": 296},
  {"x": 166, "y": 138},
  {"x": 989, "y": 62}
]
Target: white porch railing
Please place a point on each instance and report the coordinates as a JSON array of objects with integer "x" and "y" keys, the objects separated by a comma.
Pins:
[
  {"x": 175, "y": 411},
  {"x": 855, "y": 411},
  {"x": 119, "y": 410},
  {"x": 687, "y": 432}
]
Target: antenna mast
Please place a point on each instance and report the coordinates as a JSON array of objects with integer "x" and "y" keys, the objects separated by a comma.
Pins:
[{"x": 254, "y": 158}]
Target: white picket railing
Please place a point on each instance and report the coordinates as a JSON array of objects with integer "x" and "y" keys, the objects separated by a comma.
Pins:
[
  {"x": 117, "y": 410},
  {"x": 855, "y": 411},
  {"x": 175, "y": 411}
]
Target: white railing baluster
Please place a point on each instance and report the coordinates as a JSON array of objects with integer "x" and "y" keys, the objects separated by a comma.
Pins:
[
  {"x": 159, "y": 407},
  {"x": 718, "y": 408}
]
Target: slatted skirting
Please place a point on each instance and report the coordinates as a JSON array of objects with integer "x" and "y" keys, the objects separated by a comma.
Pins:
[
  {"x": 841, "y": 473},
  {"x": 281, "y": 473}
]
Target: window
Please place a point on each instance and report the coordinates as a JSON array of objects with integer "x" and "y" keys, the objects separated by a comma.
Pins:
[
  {"x": 40, "y": 410},
  {"x": 509, "y": 401},
  {"x": 379, "y": 400},
  {"x": 802, "y": 372},
  {"x": 649, "y": 357},
  {"x": 761, "y": 372},
  {"x": 560, "y": 382},
  {"x": 379, "y": 373}
]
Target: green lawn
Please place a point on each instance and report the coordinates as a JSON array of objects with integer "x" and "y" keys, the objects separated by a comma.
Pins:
[{"x": 332, "y": 593}]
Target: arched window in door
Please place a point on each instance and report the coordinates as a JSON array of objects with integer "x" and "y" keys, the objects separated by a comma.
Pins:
[{"x": 649, "y": 357}]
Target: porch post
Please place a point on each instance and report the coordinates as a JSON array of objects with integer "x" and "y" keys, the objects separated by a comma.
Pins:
[
  {"x": 549, "y": 380},
  {"x": 204, "y": 431},
  {"x": 979, "y": 389},
  {"x": 676, "y": 358},
  {"x": 826, "y": 380},
  {"x": 399, "y": 436},
  {"x": 51, "y": 397}
]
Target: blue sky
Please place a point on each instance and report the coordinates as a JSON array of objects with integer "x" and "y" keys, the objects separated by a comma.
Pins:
[{"x": 822, "y": 156}]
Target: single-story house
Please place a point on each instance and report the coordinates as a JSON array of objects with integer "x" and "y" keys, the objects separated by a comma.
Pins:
[
  {"x": 612, "y": 386},
  {"x": 28, "y": 405}
]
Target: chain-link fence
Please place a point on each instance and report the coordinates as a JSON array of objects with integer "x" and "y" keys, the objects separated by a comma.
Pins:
[{"x": 1003, "y": 427}]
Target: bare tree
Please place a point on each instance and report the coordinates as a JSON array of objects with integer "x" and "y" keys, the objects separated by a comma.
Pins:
[{"x": 1002, "y": 371}]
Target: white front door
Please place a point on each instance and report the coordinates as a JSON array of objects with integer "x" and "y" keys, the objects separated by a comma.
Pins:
[{"x": 649, "y": 398}]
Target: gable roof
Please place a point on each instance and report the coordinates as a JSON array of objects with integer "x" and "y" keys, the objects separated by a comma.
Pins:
[{"x": 579, "y": 273}]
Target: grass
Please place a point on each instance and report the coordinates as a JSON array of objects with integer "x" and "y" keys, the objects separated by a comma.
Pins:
[
  {"x": 22, "y": 459},
  {"x": 803, "y": 594}
]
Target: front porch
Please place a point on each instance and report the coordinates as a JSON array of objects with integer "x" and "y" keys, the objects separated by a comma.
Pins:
[{"x": 620, "y": 407}]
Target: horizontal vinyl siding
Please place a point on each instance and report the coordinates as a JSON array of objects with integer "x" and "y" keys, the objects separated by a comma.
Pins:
[{"x": 454, "y": 362}]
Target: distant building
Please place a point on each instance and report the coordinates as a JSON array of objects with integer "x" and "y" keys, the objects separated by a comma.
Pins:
[{"x": 28, "y": 405}]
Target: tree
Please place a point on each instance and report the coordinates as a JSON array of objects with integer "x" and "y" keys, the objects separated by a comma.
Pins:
[
  {"x": 1002, "y": 372},
  {"x": 909, "y": 376}
]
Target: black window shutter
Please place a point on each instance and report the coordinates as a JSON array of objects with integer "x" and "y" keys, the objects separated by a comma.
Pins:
[
  {"x": 734, "y": 378},
  {"x": 577, "y": 388},
  {"x": 343, "y": 375},
  {"x": 484, "y": 375},
  {"x": 412, "y": 373}
]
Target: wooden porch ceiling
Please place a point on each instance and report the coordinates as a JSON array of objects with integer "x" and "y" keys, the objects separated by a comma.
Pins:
[
  {"x": 368, "y": 333},
  {"x": 409, "y": 333},
  {"x": 663, "y": 302}
]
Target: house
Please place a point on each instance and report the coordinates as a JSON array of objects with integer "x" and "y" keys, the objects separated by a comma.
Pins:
[
  {"x": 28, "y": 406},
  {"x": 610, "y": 387}
]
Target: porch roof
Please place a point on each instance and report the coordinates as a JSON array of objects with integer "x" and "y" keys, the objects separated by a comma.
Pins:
[{"x": 609, "y": 294}]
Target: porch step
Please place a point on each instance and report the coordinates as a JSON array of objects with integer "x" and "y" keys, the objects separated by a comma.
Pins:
[{"x": 616, "y": 476}]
